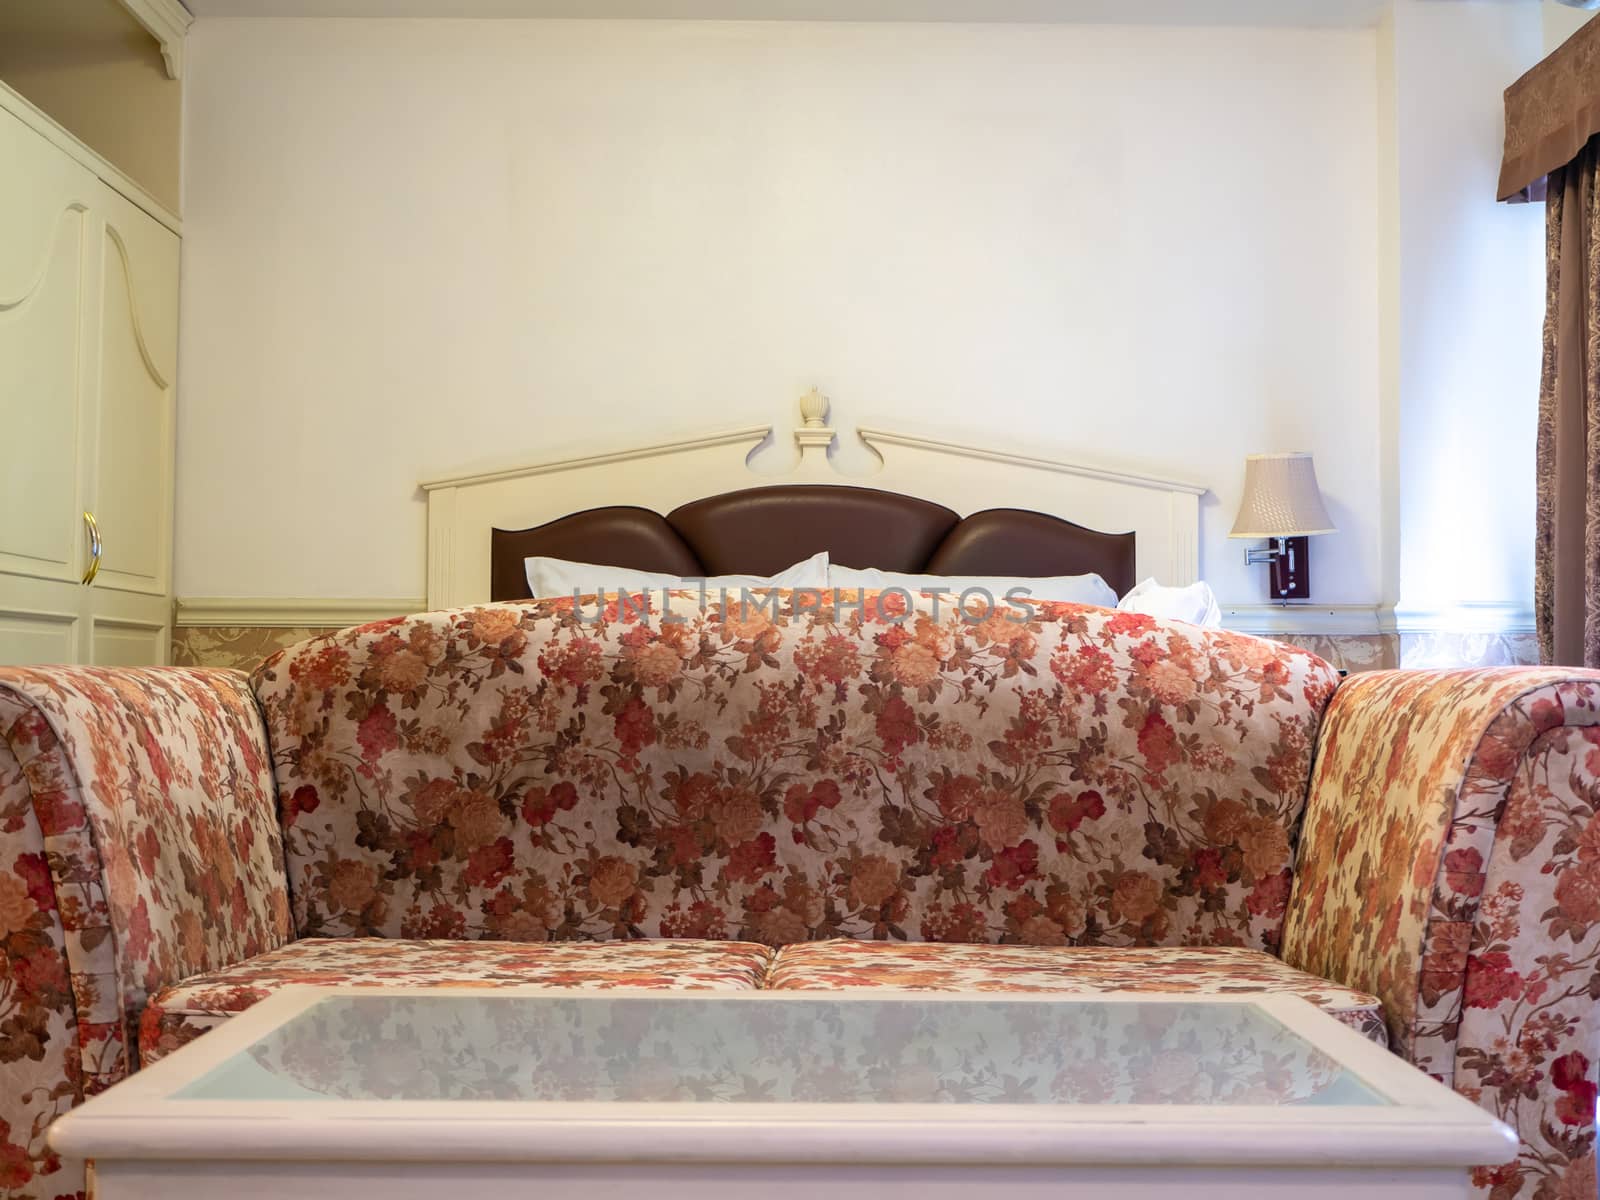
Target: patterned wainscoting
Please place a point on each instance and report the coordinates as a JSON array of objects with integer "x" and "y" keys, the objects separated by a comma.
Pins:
[
  {"x": 224, "y": 631},
  {"x": 1357, "y": 638},
  {"x": 1384, "y": 651},
  {"x": 1350, "y": 651},
  {"x": 1469, "y": 649},
  {"x": 237, "y": 646}
]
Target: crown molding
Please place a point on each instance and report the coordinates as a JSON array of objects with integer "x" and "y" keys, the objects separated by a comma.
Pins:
[
  {"x": 168, "y": 22},
  {"x": 284, "y": 612}
]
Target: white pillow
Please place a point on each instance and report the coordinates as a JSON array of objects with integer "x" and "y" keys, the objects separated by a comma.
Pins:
[
  {"x": 1066, "y": 589},
  {"x": 561, "y": 577},
  {"x": 1196, "y": 603}
]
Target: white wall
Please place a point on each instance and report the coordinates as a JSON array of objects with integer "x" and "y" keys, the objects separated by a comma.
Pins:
[
  {"x": 1561, "y": 22},
  {"x": 1466, "y": 325},
  {"x": 413, "y": 245}
]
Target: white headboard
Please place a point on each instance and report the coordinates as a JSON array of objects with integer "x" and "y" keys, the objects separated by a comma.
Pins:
[{"x": 463, "y": 507}]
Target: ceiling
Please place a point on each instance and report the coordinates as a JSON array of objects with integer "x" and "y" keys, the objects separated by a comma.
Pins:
[{"x": 1306, "y": 13}]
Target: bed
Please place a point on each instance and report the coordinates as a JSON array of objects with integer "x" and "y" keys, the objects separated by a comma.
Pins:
[{"x": 714, "y": 504}]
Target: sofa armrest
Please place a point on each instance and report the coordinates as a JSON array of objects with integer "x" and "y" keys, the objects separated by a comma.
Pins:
[
  {"x": 39, "y": 1061},
  {"x": 152, "y": 792},
  {"x": 1450, "y": 863}
]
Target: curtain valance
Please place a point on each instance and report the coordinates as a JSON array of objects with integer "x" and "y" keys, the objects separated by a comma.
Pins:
[{"x": 1551, "y": 112}]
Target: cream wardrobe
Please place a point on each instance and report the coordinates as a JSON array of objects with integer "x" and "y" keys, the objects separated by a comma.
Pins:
[{"x": 88, "y": 356}]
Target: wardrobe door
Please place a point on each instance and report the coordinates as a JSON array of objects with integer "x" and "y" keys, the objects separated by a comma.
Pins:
[
  {"x": 133, "y": 361},
  {"x": 45, "y": 220}
]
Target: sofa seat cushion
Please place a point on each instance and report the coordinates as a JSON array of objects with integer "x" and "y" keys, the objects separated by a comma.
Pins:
[
  {"x": 181, "y": 1013},
  {"x": 1085, "y": 970}
]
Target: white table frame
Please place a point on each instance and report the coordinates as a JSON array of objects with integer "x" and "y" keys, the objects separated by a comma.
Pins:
[{"x": 147, "y": 1146}]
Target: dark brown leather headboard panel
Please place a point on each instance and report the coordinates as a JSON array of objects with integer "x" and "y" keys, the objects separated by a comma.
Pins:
[
  {"x": 760, "y": 531},
  {"x": 994, "y": 541},
  {"x": 612, "y": 537}
]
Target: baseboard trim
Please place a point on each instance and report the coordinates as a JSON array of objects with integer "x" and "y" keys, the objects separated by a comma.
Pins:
[{"x": 290, "y": 612}]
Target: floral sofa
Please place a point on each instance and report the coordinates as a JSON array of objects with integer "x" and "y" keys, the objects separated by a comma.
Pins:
[{"x": 806, "y": 794}]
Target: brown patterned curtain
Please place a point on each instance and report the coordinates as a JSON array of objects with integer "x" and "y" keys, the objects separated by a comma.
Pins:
[
  {"x": 1553, "y": 154},
  {"x": 1567, "y": 545}
]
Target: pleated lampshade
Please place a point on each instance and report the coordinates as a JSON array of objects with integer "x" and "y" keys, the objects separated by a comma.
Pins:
[{"x": 1281, "y": 498}]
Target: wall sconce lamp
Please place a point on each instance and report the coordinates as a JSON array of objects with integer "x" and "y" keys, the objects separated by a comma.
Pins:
[{"x": 1282, "y": 503}]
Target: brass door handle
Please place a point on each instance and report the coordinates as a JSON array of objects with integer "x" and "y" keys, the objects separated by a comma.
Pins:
[{"x": 95, "y": 547}]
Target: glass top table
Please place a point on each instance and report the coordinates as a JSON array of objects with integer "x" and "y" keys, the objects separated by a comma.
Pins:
[
  {"x": 458, "y": 1080},
  {"x": 685, "y": 1049}
]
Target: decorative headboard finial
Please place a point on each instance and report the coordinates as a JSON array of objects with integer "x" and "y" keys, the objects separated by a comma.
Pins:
[{"x": 814, "y": 409}]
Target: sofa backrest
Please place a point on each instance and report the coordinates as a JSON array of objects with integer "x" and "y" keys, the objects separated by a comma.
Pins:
[
  {"x": 787, "y": 771},
  {"x": 162, "y": 850}
]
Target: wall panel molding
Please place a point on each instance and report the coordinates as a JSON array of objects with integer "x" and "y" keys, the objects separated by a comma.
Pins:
[
  {"x": 1273, "y": 620},
  {"x": 275, "y": 612},
  {"x": 1482, "y": 617},
  {"x": 1278, "y": 620}
]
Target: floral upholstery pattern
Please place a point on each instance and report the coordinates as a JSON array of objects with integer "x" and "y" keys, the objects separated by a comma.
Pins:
[
  {"x": 39, "y": 1059},
  {"x": 802, "y": 1050},
  {"x": 780, "y": 772},
  {"x": 181, "y": 1013},
  {"x": 1102, "y": 798},
  {"x": 1075, "y": 970},
  {"x": 1451, "y": 865},
  {"x": 161, "y": 849}
]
